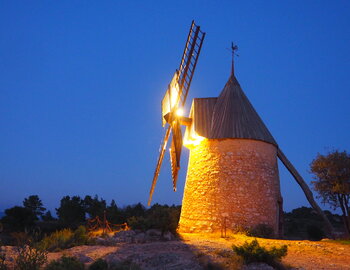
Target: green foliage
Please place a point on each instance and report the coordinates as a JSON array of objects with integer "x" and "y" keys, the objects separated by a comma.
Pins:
[
  {"x": 297, "y": 223},
  {"x": 253, "y": 252},
  {"x": 35, "y": 205},
  {"x": 137, "y": 223},
  {"x": 113, "y": 213},
  {"x": 80, "y": 236},
  {"x": 18, "y": 218},
  {"x": 94, "y": 207},
  {"x": 2, "y": 259},
  {"x": 29, "y": 255},
  {"x": 339, "y": 241},
  {"x": 261, "y": 230},
  {"x": 48, "y": 216},
  {"x": 164, "y": 218},
  {"x": 314, "y": 232},
  {"x": 65, "y": 263},
  {"x": 57, "y": 240},
  {"x": 71, "y": 211},
  {"x": 332, "y": 175},
  {"x": 99, "y": 264},
  {"x": 65, "y": 238},
  {"x": 136, "y": 210},
  {"x": 161, "y": 217}
]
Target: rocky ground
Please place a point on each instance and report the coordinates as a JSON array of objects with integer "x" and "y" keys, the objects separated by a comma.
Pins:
[{"x": 152, "y": 251}]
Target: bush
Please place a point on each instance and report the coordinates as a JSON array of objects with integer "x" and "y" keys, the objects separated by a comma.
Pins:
[
  {"x": 30, "y": 258},
  {"x": 2, "y": 259},
  {"x": 261, "y": 230},
  {"x": 253, "y": 252},
  {"x": 57, "y": 240},
  {"x": 314, "y": 232},
  {"x": 137, "y": 223},
  {"x": 99, "y": 264},
  {"x": 65, "y": 263},
  {"x": 161, "y": 217},
  {"x": 65, "y": 239},
  {"x": 80, "y": 236}
]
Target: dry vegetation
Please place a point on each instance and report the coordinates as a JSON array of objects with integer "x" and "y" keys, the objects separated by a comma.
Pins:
[{"x": 203, "y": 251}]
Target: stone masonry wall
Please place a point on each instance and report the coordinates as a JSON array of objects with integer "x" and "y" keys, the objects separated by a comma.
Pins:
[{"x": 236, "y": 178}]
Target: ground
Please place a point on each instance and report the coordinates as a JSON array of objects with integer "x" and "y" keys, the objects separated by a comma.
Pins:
[{"x": 196, "y": 250}]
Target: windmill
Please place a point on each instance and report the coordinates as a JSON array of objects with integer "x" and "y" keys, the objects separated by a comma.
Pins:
[
  {"x": 232, "y": 177},
  {"x": 174, "y": 101}
]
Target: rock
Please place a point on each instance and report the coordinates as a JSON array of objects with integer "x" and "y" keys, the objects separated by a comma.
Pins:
[
  {"x": 83, "y": 258},
  {"x": 153, "y": 232},
  {"x": 124, "y": 236},
  {"x": 140, "y": 238},
  {"x": 257, "y": 266},
  {"x": 168, "y": 236}
]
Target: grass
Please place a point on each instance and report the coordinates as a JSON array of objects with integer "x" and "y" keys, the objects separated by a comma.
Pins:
[{"x": 338, "y": 241}]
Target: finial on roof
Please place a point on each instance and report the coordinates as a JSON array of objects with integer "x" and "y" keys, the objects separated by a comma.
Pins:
[{"x": 233, "y": 49}]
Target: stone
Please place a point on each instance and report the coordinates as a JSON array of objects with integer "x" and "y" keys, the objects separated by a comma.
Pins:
[
  {"x": 140, "y": 238},
  {"x": 233, "y": 176},
  {"x": 168, "y": 236}
]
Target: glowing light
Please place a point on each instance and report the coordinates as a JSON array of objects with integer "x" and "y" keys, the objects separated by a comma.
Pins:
[
  {"x": 174, "y": 94},
  {"x": 193, "y": 140},
  {"x": 180, "y": 112}
]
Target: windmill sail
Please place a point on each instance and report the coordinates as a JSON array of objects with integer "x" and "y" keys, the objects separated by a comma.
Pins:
[{"x": 175, "y": 98}]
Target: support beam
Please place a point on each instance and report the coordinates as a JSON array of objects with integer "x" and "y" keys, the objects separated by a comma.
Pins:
[{"x": 305, "y": 189}]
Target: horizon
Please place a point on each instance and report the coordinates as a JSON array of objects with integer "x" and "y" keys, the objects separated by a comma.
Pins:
[{"x": 81, "y": 86}]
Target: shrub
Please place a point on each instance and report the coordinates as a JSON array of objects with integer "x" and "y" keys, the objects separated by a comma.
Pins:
[
  {"x": 253, "y": 252},
  {"x": 164, "y": 218},
  {"x": 57, "y": 240},
  {"x": 65, "y": 263},
  {"x": 30, "y": 258},
  {"x": 99, "y": 264},
  {"x": 261, "y": 230},
  {"x": 65, "y": 239},
  {"x": 314, "y": 232},
  {"x": 80, "y": 236},
  {"x": 2, "y": 259},
  {"x": 137, "y": 223}
]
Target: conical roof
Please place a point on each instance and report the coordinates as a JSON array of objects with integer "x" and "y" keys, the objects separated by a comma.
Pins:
[
  {"x": 235, "y": 117},
  {"x": 231, "y": 115}
]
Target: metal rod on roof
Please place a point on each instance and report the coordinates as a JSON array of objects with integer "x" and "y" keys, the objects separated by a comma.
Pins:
[{"x": 233, "y": 49}]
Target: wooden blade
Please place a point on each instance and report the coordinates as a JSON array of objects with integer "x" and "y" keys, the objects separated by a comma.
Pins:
[
  {"x": 189, "y": 60},
  {"x": 159, "y": 163},
  {"x": 175, "y": 151},
  {"x": 171, "y": 98}
]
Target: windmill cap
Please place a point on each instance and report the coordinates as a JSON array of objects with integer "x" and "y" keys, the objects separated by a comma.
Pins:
[{"x": 231, "y": 115}]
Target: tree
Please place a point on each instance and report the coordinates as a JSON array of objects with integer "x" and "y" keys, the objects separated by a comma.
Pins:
[
  {"x": 48, "y": 216},
  {"x": 332, "y": 175},
  {"x": 18, "y": 218},
  {"x": 35, "y": 205},
  {"x": 71, "y": 211},
  {"x": 94, "y": 207},
  {"x": 113, "y": 213}
]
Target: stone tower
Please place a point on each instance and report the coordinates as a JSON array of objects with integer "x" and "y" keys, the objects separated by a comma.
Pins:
[{"x": 232, "y": 175}]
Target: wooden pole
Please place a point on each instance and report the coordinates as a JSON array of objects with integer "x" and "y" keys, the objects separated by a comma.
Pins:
[{"x": 306, "y": 190}]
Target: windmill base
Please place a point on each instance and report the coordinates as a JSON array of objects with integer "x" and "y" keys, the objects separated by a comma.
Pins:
[{"x": 231, "y": 184}]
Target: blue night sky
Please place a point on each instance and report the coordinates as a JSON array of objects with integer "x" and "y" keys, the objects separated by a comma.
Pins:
[{"x": 81, "y": 84}]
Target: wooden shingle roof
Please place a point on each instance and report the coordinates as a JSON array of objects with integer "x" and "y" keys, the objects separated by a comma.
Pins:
[{"x": 231, "y": 115}]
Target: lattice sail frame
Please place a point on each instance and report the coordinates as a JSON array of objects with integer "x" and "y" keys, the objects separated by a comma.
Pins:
[{"x": 175, "y": 98}]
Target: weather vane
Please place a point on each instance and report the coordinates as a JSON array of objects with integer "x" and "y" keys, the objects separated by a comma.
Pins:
[{"x": 233, "y": 49}]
